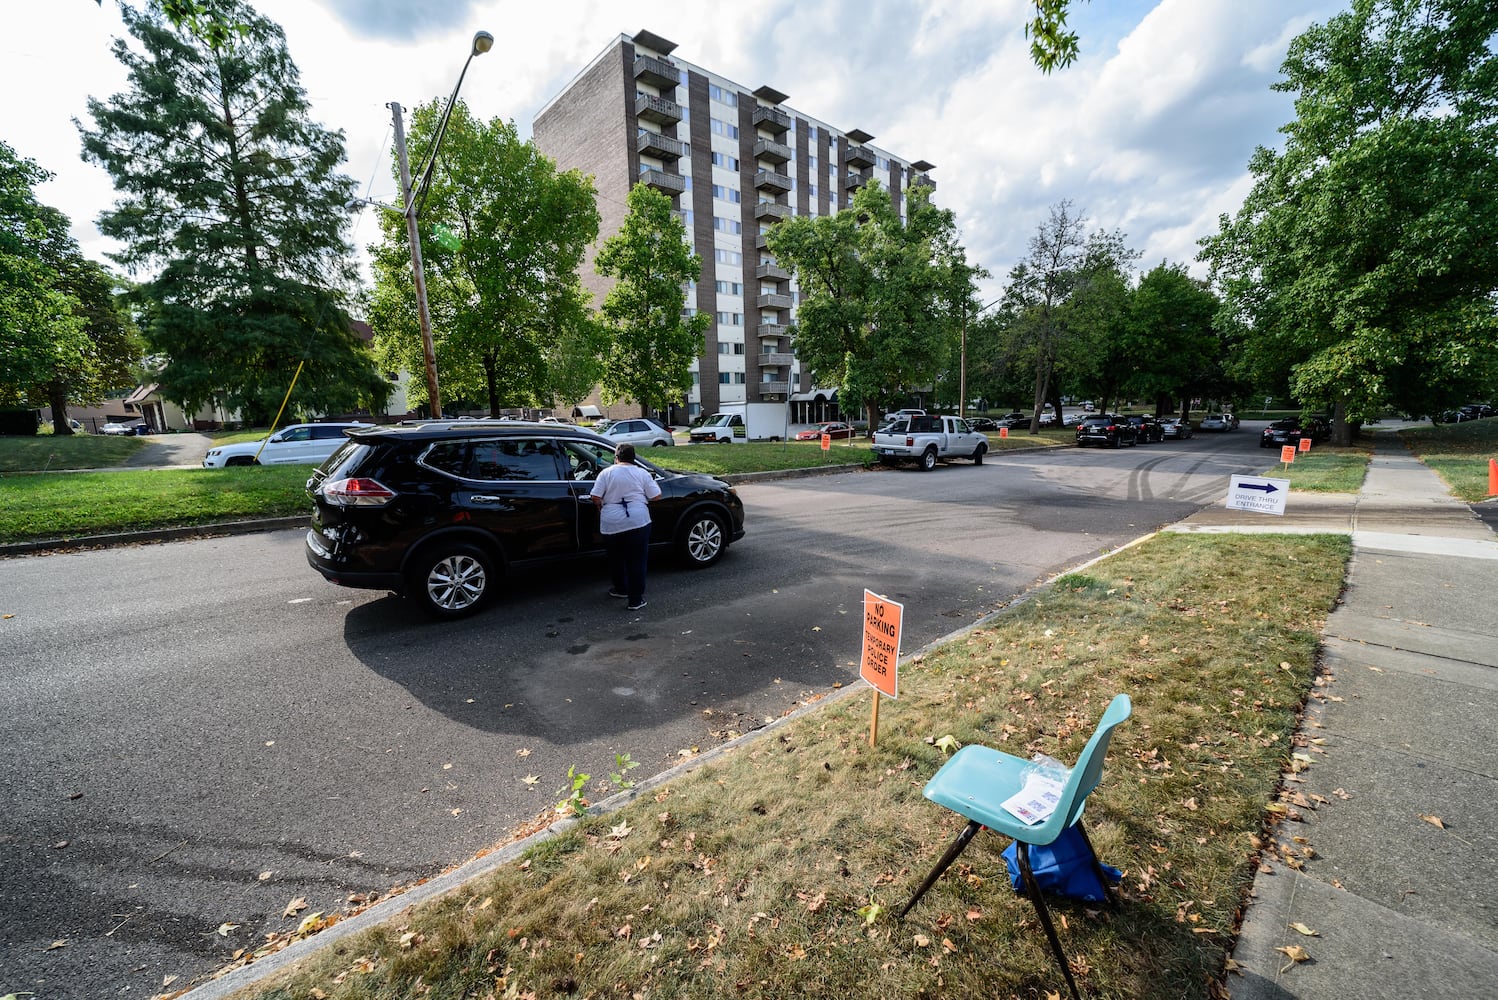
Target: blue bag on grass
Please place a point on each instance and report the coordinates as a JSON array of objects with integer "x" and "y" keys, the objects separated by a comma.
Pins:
[{"x": 1062, "y": 868}]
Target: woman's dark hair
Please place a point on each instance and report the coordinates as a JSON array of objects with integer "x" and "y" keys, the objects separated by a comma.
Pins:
[{"x": 626, "y": 453}]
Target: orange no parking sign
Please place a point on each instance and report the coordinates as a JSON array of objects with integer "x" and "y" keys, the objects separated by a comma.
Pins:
[{"x": 881, "y": 643}]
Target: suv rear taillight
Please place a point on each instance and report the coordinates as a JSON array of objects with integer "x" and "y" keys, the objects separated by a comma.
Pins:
[{"x": 357, "y": 493}]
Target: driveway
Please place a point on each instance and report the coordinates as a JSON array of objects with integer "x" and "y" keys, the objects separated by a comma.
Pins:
[{"x": 186, "y": 448}]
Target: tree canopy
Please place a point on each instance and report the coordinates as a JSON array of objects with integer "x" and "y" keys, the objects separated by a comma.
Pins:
[
  {"x": 62, "y": 336},
  {"x": 505, "y": 234},
  {"x": 652, "y": 344},
  {"x": 1363, "y": 260},
  {"x": 882, "y": 298},
  {"x": 231, "y": 204}
]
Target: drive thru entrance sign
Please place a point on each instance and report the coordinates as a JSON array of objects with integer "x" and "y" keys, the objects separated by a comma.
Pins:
[
  {"x": 1255, "y": 493},
  {"x": 880, "y": 662}
]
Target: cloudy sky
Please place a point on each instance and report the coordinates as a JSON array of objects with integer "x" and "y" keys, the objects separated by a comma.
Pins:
[{"x": 1149, "y": 132}]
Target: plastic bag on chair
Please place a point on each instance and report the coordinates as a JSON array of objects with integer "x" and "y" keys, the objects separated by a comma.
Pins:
[{"x": 1062, "y": 868}]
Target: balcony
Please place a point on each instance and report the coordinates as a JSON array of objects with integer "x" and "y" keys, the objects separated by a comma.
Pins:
[
  {"x": 769, "y": 180},
  {"x": 769, "y": 149},
  {"x": 657, "y": 72},
  {"x": 772, "y": 271},
  {"x": 859, "y": 156},
  {"x": 668, "y": 184},
  {"x": 925, "y": 180},
  {"x": 770, "y": 210},
  {"x": 773, "y": 300},
  {"x": 768, "y": 388},
  {"x": 650, "y": 108},
  {"x": 773, "y": 331},
  {"x": 773, "y": 119},
  {"x": 654, "y": 144},
  {"x": 854, "y": 181},
  {"x": 776, "y": 360}
]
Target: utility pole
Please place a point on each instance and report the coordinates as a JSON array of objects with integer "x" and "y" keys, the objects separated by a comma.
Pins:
[{"x": 413, "y": 234}]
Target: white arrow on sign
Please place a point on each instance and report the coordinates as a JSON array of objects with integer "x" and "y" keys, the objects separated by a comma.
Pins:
[{"x": 1260, "y": 495}]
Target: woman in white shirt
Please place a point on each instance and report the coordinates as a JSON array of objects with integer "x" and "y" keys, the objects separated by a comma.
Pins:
[{"x": 622, "y": 493}]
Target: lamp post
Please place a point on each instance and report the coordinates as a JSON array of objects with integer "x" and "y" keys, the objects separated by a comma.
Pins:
[{"x": 413, "y": 200}]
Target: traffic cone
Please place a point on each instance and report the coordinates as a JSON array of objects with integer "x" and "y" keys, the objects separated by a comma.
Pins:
[{"x": 1493, "y": 477}]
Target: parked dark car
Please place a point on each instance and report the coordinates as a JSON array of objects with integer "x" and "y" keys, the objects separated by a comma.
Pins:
[
  {"x": 1146, "y": 428},
  {"x": 1106, "y": 429},
  {"x": 438, "y": 511},
  {"x": 1291, "y": 429},
  {"x": 1013, "y": 419},
  {"x": 983, "y": 423},
  {"x": 1471, "y": 411}
]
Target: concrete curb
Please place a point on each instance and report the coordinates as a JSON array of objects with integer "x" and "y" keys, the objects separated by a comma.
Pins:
[{"x": 40, "y": 545}]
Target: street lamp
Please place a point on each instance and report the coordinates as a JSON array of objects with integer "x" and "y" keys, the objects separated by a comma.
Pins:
[{"x": 413, "y": 200}]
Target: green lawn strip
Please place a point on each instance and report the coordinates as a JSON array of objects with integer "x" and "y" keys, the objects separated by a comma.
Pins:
[
  {"x": 1459, "y": 453},
  {"x": 89, "y": 503},
  {"x": 757, "y": 456},
  {"x": 46, "y": 452},
  {"x": 775, "y": 871},
  {"x": 1325, "y": 469}
]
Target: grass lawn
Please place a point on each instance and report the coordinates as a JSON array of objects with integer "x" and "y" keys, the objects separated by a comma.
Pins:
[
  {"x": 1325, "y": 469},
  {"x": 89, "y": 503},
  {"x": 78, "y": 451},
  {"x": 775, "y": 870},
  {"x": 1459, "y": 453}
]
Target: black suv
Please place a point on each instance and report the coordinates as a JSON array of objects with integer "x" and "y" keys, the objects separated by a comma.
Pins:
[
  {"x": 1106, "y": 428},
  {"x": 436, "y": 511}
]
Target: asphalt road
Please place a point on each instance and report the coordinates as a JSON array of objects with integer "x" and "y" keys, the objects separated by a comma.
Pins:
[{"x": 199, "y": 733}]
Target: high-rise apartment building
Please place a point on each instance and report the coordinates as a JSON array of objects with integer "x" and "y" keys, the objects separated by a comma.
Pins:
[{"x": 735, "y": 162}]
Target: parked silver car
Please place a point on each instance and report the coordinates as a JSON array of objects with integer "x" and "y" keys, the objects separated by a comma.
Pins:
[{"x": 641, "y": 432}]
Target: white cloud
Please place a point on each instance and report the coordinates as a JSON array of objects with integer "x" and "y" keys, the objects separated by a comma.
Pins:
[{"x": 1150, "y": 131}]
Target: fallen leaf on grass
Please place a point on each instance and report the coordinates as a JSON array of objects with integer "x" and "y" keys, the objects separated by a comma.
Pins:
[
  {"x": 1303, "y": 929},
  {"x": 409, "y": 937},
  {"x": 621, "y": 831},
  {"x": 266, "y": 876},
  {"x": 921, "y": 940}
]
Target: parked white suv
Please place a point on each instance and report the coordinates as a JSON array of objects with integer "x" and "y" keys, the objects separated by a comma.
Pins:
[{"x": 295, "y": 444}]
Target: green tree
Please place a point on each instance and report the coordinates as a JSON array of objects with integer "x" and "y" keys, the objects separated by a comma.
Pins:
[
  {"x": 652, "y": 344},
  {"x": 882, "y": 299},
  {"x": 1051, "y": 45},
  {"x": 504, "y": 235},
  {"x": 62, "y": 336},
  {"x": 1171, "y": 338},
  {"x": 231, "y": 201},
  {"x": 1068, "y": 298},
  {"x": 1363, "y": 260}
]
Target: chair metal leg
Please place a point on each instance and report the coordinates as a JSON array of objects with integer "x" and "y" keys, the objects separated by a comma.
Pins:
[
  {"x": 1022, "y": 850},
  {"x": 1110, "y": 894},
  {"x": 957, "y": 847}
]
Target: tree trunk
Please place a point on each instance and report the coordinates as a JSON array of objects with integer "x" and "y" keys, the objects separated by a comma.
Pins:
[
  {"x": 57, "y": 399},
  {"x": 1341, "y": 431},
  {"x": 491, "y": 383},
  {"x": 1042, "y": 383}
]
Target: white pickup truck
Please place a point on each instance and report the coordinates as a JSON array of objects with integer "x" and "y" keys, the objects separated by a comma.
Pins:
[{"x": 925, "y": 440}]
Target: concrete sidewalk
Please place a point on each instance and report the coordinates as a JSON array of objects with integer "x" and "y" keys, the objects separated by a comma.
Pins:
[{"x": 1397, "y": 841}]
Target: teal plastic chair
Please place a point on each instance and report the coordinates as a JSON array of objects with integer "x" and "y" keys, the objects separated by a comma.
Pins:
[{"x": 977, "y": 779}]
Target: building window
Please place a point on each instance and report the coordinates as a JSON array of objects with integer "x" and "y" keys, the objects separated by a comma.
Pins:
[
  {"x": 727, "y": 193},
  {"x": 686, "y": 218},
  {"x": 688, "y": 179},
  {"x": 725, "y": 161},
  {"x": 723, "y": 128},
  {"x": 696, "y": 378},
  {"x": 723, "y": 225},
  {"x": 722, "y": 96},
  {"x": 812, "y": 189},
  {"x": 683, "y": 78},
  {"x": 883, "y": 162},
  {"x": 811, "y": 133},
  {"x": 728, "y": 257},
  {"x": 729, "y": 319},
  {"x": 730, "y": 288}
]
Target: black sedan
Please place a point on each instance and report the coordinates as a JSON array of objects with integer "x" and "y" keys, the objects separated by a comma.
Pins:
[
  {"x": 1146, "y": 428},
  {"x": 1291, "y": 429}
]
